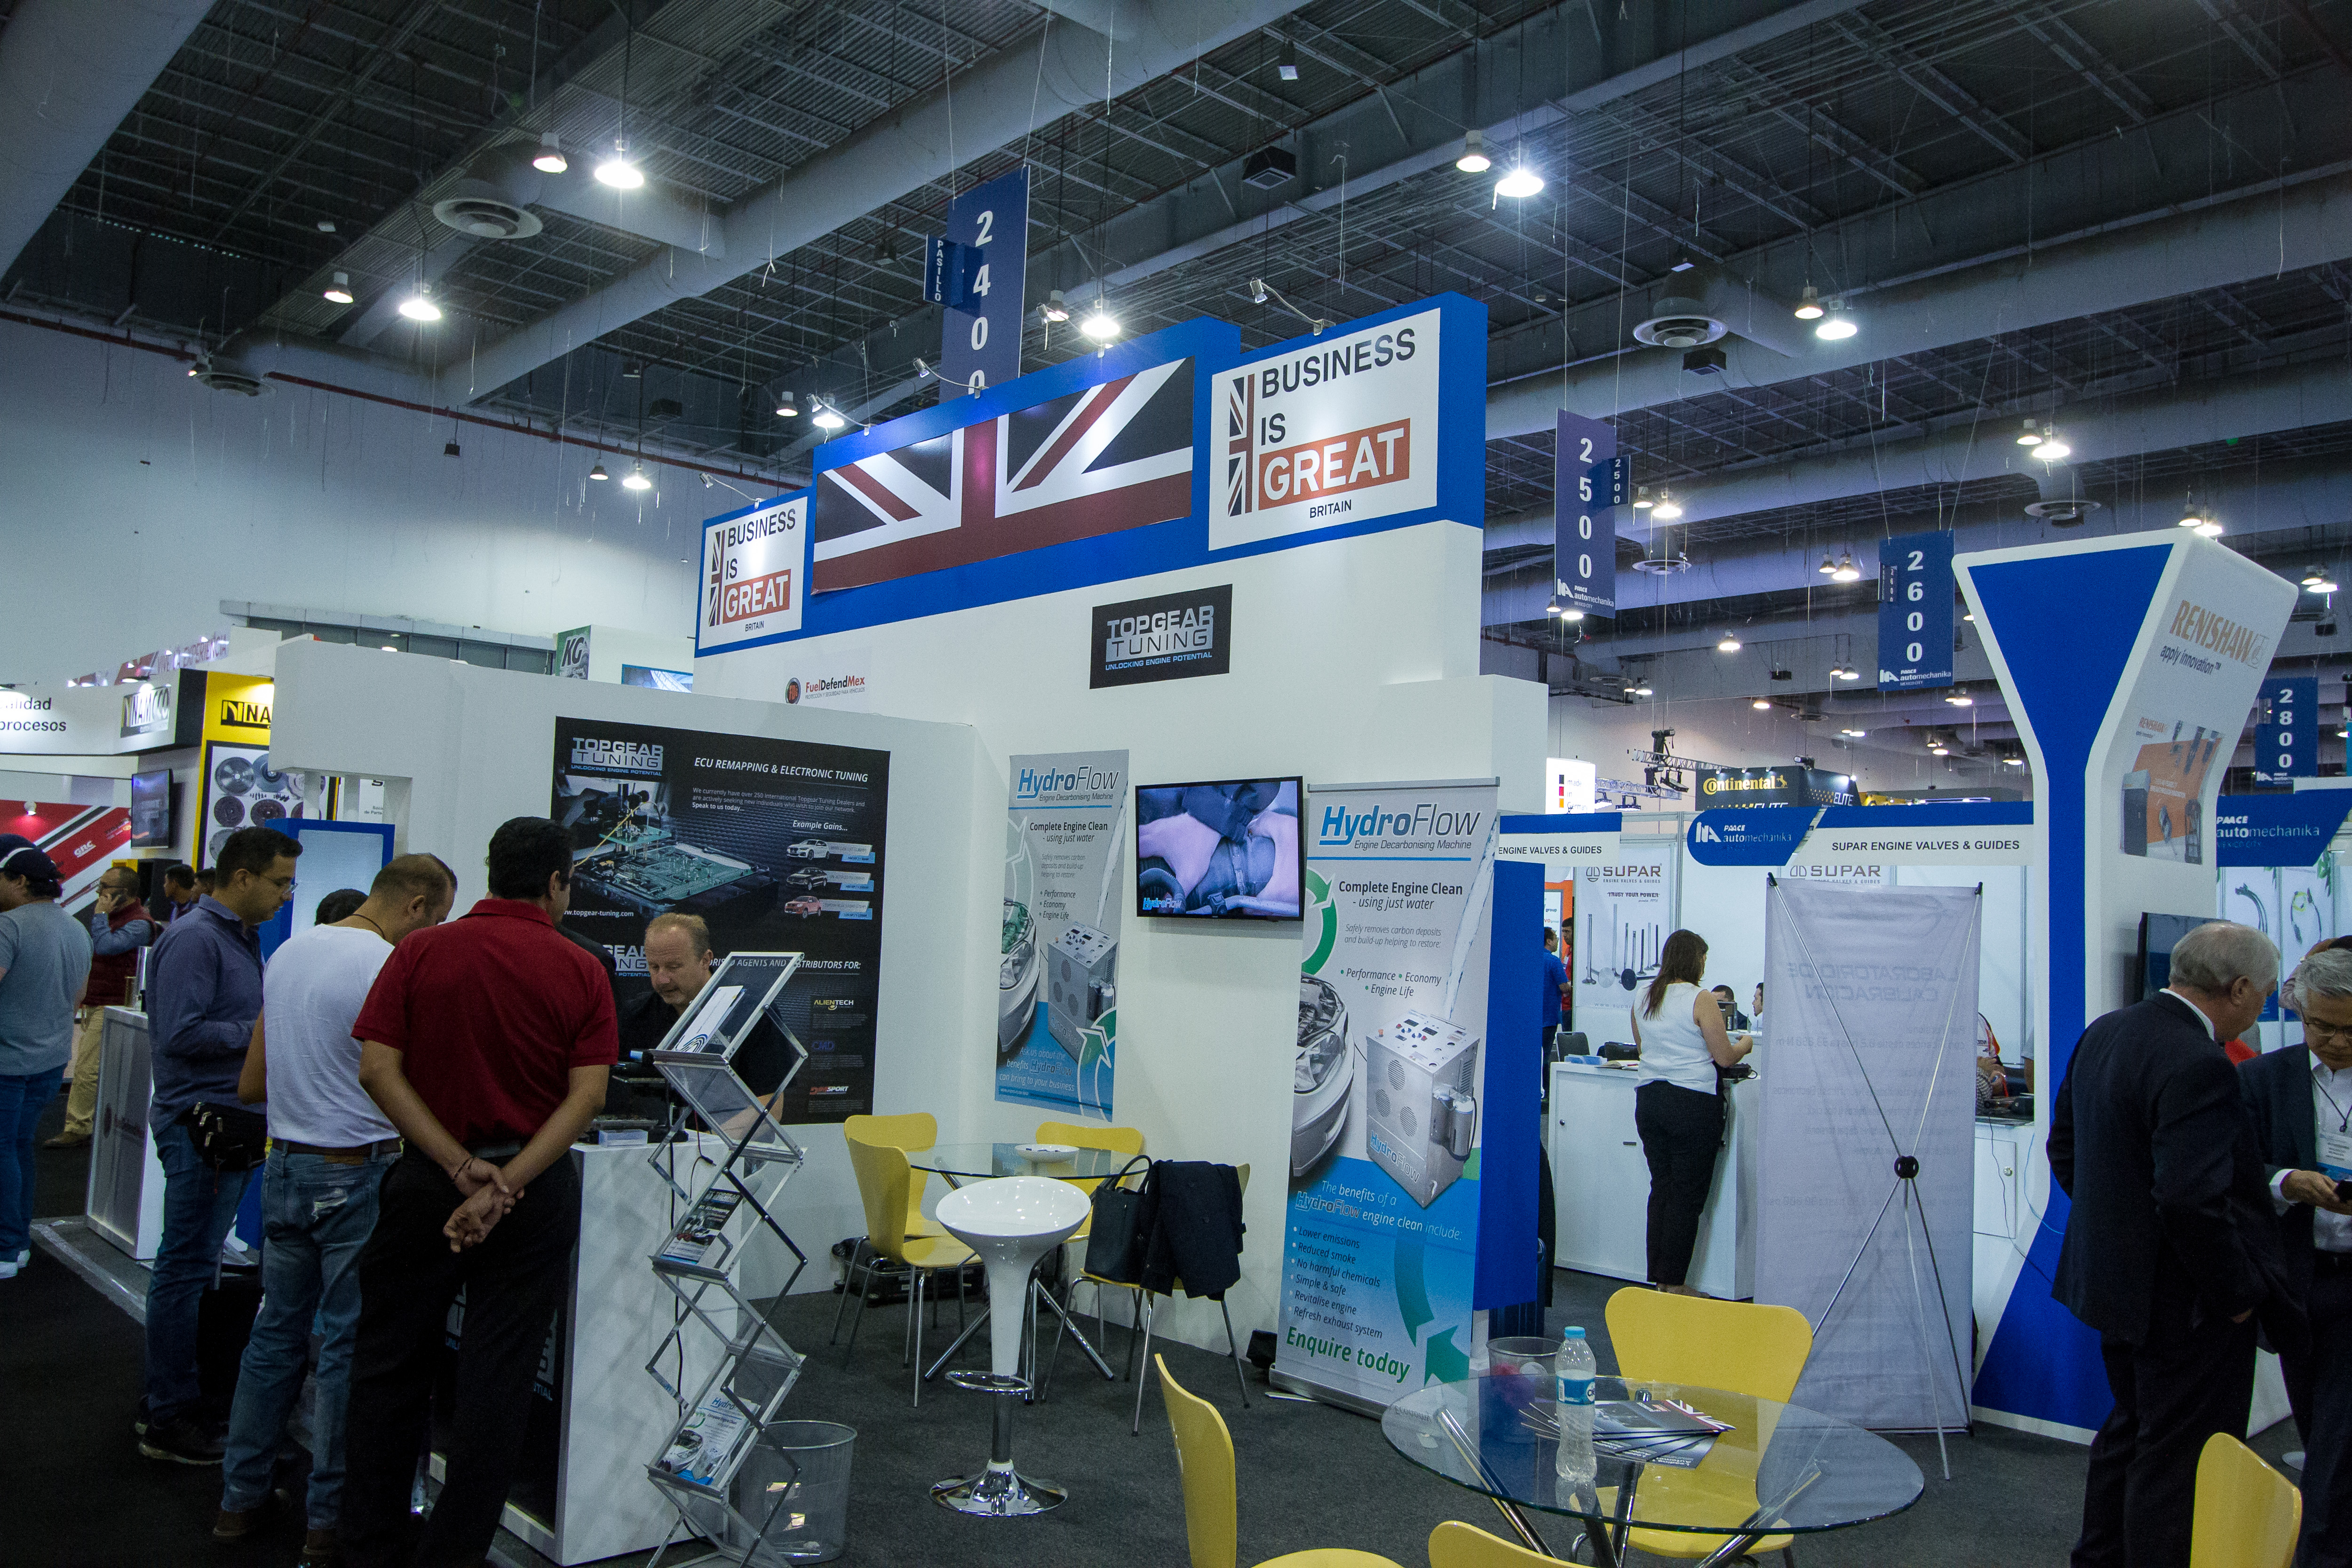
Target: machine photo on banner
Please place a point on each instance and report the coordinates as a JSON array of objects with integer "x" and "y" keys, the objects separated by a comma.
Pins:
[
  {"x": 777, "y": 844},
  {"x": 1057, "y": 979},
  {"x": 1380, "y": 1240}
]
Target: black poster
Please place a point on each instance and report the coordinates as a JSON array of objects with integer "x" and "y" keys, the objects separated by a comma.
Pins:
[
  {"x": 1168, "y": 637},
  {"x": 776, "y": 844}
]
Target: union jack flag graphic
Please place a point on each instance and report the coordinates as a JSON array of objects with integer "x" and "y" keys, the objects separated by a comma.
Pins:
[
  {"x": 1240, "y": 429},
  {"x": 1097, "y": 461}
]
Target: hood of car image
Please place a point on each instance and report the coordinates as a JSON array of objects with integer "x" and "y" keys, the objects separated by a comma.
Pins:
[{"x": 1322, "y": 1075}]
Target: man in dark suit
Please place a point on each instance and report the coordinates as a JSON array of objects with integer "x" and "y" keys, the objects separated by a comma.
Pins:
[
  {"x": 2300, "y": 1100},
  {"x": 2169, "y": 1253}
]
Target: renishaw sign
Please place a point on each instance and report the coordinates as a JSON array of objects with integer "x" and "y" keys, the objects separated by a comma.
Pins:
[
  {"x": 1344, "y": 431},
  {"x": 755, "y": 574}
]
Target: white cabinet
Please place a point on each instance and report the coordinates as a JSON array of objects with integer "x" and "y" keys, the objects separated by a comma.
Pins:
[
  {"x": 2002, "y": 1150},
  {"x": 1600, "y": 1185}
]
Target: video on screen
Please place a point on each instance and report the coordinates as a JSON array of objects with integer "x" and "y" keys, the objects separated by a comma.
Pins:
[
  {"x": 151, "y": 809},
  {"x": 1221, "y": 850}
]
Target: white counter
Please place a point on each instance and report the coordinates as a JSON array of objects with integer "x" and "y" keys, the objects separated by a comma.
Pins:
[{"x": 1600, "y": 1186}]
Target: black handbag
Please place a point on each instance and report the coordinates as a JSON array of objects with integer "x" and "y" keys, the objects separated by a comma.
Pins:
[
  {"x": 228, "y": 1137},
  {"x": 1113, "y": 1240}
]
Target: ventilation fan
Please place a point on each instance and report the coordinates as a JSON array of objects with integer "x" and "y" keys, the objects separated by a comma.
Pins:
[
  {"x": 1679, "y": 324},
  {"x": 2065, "y": 512},
  {"x": 480, "y": 208},
  {"x": 220, "y": 377}
]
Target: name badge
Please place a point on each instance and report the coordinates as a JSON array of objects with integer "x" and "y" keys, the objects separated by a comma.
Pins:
[{"x": 2336, "y": 1154}]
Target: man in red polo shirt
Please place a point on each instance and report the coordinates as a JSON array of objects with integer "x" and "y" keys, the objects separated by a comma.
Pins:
[{"x": 486, "y": 1041}]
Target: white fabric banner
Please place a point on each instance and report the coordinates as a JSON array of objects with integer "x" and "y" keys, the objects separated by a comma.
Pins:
[{"x": 1868, "y": 1062}]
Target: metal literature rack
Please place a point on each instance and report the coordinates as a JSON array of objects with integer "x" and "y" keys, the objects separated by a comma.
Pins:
[{"x": 722, "y": 1421}]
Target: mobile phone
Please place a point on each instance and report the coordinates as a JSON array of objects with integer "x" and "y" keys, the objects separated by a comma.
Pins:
[{"x": 2344, "y": 1192}]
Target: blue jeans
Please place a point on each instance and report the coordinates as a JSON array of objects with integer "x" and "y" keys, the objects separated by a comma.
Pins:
[
  {"x": 23, "y": 1098},
  {"x": 316, "y": 1216},
  {"x": 199, "y": 1205}
]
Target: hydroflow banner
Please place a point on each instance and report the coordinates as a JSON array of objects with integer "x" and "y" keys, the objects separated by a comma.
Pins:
[
  {"x": 1382, "y": 1229},
  {"x": 1057, "y": 978}
]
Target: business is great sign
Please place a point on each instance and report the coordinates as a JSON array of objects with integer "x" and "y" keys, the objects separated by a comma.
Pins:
[{"x": 755, "y": 574}]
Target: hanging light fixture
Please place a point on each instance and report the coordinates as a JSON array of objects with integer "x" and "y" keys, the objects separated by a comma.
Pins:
[
  {"x": 339, "y": 293},
  {"x": 2190, "y": 516},
  {"x": 1520, "y": 184},
  {"x": 2031, "y": 435},
  {"x": 1849, "y": 673},
  {"x": 1809, "y": 308},
  {"x": 1643, "y": 690},
  {"x": 1940, "y": 750},
  {"x": 1836, "y": 325},
  {"x": 1847, "y": 571},
  {"x": 1961, "y": 699},
  {"x": 1730, "y": 643},
  {"x": 419, "y": 306},
  {"x": 1102, "y": 326},
  {"x": 1854, "y": 734},
  {"x": 637, "y": 480},
  {"x": 1055, "y": 309},
  {"x": 1642, "y": 501},
  {"x": 1761, "y": 704},
  {"x": 2014, "y": 762},
  {"x": 786, "y": 408},
  {"x": 549, "y": 159},
  {"x": 1829, "y": 567},
  {"x": 618, "y": 172},
  {"x": 2053, "y": 447},
  {"x": 2317, "y": 581},
  {"x": 1474, "y": 159},
  {"x": 1665, "y": 511},
  {"x": 826, "y": 416},
  {"x": 2208, "y": 529},
  {"x": 598, "y": 472}
]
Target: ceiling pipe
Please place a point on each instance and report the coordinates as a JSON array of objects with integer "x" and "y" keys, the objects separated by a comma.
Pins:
[{"x": 70, "y": 73}]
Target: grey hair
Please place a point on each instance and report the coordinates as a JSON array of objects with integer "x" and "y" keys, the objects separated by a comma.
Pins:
[
  {"x": 2324, "y": 973},
  {"x": 2213, "y": 955}
]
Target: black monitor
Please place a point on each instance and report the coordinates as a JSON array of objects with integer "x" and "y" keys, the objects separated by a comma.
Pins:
[
  {"x": 150, "y": 810},
  {"x": 2158, "y": 935}
]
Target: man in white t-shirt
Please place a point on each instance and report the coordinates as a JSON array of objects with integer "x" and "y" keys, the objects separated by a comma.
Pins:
[{"x": 329, "y": 1147}]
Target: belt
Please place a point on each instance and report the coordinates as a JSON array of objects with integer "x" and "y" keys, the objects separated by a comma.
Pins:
[{"x": 358, "y": 1155}]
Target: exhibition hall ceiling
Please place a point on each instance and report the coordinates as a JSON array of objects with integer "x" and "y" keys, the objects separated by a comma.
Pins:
[{"x": 1912, "y": 150}]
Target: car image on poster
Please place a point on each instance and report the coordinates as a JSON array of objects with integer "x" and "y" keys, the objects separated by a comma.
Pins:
[{"x": 777, "y": 844}]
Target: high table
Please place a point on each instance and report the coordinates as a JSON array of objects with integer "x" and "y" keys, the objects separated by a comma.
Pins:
[
  {"x": 1780, "y": 1470},
  {"x": 961, "y": 1162}
]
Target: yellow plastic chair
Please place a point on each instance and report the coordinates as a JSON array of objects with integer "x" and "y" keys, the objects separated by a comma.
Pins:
[
  {"x": 884, "y": 1178},
  {"x": 1455, "y": 1544},
  {"x": 1143, "y": 1313},
  {"x": 1127, "y": 1141},
  {"x": 1737, "y": 1346},
  {"x": 1204, "y": 1460},
  {"x": 2247, "y": 1514},
  {"x": 915, "y": 1130}
]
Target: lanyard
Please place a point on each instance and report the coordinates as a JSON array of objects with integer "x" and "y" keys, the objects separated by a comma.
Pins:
[{"x": 2343, "y": 1111}]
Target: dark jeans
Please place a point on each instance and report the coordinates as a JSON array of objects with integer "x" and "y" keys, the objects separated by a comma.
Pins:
[
  {"x": 1681, "y": 1131},
  {"x": 2184, "y": 1381},
  {"x": 2320, "y": 1384},
  {"x": 23, "y": 1098},
  {"x": 199, "y": 1206},
  {"x": 513, "y": 1281}
]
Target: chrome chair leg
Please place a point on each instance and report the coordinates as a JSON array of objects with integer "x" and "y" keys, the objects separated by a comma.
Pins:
[
  {"x": 864, "y": 1300},
  {"x": 1143, "y": 1379},
  {"x": 851, "y": 1273},
  {"x": 916, "y": 1317},
  {"x": 1234, "y": 1346}
]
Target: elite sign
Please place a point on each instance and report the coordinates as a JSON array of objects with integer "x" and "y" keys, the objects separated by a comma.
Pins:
[{"x": 755, "y": 574}]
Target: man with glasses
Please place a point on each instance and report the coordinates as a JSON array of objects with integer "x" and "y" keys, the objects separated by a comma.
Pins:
[
  {"x": 203, "y": 993},
  {"x": 2301, "y": 1102},
  {"x": 119, "y": 927}
]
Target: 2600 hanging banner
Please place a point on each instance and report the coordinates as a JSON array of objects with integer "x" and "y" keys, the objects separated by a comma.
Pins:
[{"x": 1382, "y": 1237}]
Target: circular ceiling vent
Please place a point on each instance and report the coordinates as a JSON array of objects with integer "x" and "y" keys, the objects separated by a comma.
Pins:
[
  {"x": 1664, "y": 565},
  {"x": 1679, "y": 324},
  {"x": 221, "y": 378},
  {"x": 481, "y": 210},
  {"x": 2069, "y": 513}
]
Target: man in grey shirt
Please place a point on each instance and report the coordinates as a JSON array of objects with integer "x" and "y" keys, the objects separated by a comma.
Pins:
[{"x": 44, "y": 960}]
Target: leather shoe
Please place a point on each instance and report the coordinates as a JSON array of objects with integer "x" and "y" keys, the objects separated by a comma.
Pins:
[
  {"x": 238, "y": 1524},
  {"x": 179, "y": 1441},
  {"x": 65, "y": 1141},
  {"x": 320, "y": 1550}
]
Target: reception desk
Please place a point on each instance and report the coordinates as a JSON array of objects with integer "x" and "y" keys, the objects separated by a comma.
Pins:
[{"x": 1601, "y": 1183}]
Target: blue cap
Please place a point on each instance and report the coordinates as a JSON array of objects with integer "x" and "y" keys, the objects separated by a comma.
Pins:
[{"x": 1571, "y": 1332}]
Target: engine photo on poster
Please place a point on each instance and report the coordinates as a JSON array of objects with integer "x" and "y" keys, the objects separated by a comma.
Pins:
[
  {"x": 776, "y": 845},
  {"x": 1221, "y": 850}
]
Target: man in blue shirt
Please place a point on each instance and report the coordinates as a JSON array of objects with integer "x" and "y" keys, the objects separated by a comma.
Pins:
[
  {"x": 1555, "y": 988},
  {"x": 204, "y": 991},
  {"x": 44, "y": 960}
]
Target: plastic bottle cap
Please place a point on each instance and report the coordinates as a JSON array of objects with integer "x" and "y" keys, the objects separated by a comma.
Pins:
[{"x": 1572, "y": 1333}]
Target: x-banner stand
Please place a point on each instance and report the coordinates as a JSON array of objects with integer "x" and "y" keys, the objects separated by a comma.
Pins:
[{"x": 1906, "y": 1177}]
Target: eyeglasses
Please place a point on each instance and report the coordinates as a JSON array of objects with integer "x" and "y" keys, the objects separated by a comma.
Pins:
[{"x": 2313, "y": 1029}]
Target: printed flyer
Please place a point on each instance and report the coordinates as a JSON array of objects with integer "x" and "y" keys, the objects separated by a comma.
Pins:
[
  {"x": 777, "y": 844},
  {"x": 1057, "y": 976},
  {"x": 1382, "y": 1235}
]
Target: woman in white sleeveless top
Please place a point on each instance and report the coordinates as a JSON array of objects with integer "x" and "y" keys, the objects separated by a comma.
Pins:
[{"x": 1677, "y": 1109}]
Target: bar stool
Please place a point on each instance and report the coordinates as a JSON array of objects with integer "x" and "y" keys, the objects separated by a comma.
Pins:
[{"x": 1010, "y": 1223}]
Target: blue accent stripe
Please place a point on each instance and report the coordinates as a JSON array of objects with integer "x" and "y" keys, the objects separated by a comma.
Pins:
[
  {"x": 1939, "y": 813},
  {"x": 1563, "y": 822},
  {"x": 1511, "y": 1122}
]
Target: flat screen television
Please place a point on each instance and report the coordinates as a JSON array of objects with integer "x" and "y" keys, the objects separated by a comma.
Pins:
[
  {"x": 2158, "y": 935},
  {"x": 150, "y": 810},
  {"x": 1222, "y": 850}
]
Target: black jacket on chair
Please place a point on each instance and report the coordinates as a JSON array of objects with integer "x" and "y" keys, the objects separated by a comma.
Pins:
[
  {"x": 2277, "y": 1091},
  {"x": 2150, "y": 1138},
  {"x": 1190, "y": 1222}
]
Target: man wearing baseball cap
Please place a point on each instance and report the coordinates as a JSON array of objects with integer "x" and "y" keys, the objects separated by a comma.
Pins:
[{"x": 43, "y": 962}]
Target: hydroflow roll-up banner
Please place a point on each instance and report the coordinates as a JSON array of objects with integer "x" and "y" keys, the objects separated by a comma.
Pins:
[
  {"x": 1057, "y": 976},
  {"x": 1382, "y": 1235}
]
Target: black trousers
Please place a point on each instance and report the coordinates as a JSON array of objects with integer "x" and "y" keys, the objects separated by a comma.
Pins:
[
  {"x": 1682, "y": 1132},
  {"x": 2186, "y": 1380},
  {"x": 513, "y": 1281},
  {"x": 2320, "y": 1384}
]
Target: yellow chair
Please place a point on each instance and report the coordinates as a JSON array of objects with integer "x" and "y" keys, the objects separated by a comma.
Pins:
[
  {"x": 1455, "y": 1544},
  {"x": 2247, "y": 1514},
  {"x": 1204, "y": 1460},
  {"x": 1738, "y": 1346},
  {"x": 884, "y": 1178},
  {"x": 915, "y": 1130},
  {"x": 1127, "y": 1141}
]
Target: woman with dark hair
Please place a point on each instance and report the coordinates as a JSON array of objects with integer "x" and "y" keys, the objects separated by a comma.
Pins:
[{"x": 1678, "y": 1108}]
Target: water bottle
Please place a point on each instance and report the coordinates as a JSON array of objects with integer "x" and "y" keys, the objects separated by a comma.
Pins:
[{"x": 1575, "y": 1369}]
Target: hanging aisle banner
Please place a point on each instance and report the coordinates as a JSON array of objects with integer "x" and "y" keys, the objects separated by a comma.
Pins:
[
  {"x": 1915, "y": 612},
  {"x": 1584, "y": 515},
  {"x": 979, "y": 334},
  {"x": 2287, "y": 733},
  {"x": 1380, "y": 1240},
  {"x": 1058, "y": 973}
]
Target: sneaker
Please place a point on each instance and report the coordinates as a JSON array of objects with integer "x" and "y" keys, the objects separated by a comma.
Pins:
[
  {"x": 139, "y": 1417},
  {"x": 236, "y": 1523},
  {"x": 10, "y": 1269},
  {"x": 181, "y": 1442},
  {"x": 320, "y": 1550}
]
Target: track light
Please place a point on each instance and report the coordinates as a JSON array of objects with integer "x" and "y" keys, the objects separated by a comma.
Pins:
[
  {"x": 1642, "y": 501},
  {"x": 1847, "y": 571},
  {"x": 1828, "y": 567},
  {"x": 598, "y": 472},
  {"x": 1665, "y": 511},
  {"x": 786, "y": 408},
  {"x": 1102, "y": 326},
  {"x": 2053, "y": 448},
  {"x": 1761, "y": 704},
  {"x": 1474, "y": 159},
  {"x": 419, "y": 306},
  {"x": 1809, "y": 308},
  {"x": 1520, "y": 184},
  {"x": 1260, "y": 289},
  {"x": 1836, "y": 325},
  {"x": 1728, "y": 644},
  {"x": 826, "y": 416},
  {"x": 1055, "y": 309},
  {"x": 637, "y": 480},
  {"x": 339, "y": 293},
  {"x": 549, "y": 159},
  {"x": 618, "y": 172},
  {"x": 2031, "y": 435},
  {"x": 2317, "y": 581}
]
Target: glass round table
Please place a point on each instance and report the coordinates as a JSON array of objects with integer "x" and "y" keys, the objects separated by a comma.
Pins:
[
  {"x": 1726, "y": 1468},
  {"x": 961, "y": 1162}
]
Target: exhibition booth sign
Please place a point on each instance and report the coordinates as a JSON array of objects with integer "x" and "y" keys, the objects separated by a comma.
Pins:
[
  {"x": 1057, "y": 980},
  {"x": 238, "y": 786}
]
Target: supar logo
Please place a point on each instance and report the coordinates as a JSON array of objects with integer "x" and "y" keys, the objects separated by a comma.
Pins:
[
  {"x": 1425, "y": 820},
  {"x": 624, "y": 756},
  {"x": 1035, "y": 783}
]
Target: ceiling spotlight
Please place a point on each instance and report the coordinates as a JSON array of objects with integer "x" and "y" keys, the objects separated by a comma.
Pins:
[
  {"x": 1854, "y": 734},
  {"x": 339, "y": 293},
  {"x": 1837, "y": 324},
  {"x": 2031, "y": 435},
  {"x": 1642, "y": 501},
  {"x": 1961, "y": 699},
  {"x": 1809, "y": 308},
  {"x": 2208, "y": 529},
  {"x": 826, "y": 416},
  {"x": 786, "y": 407},
  {"x": 1474, "y": 159},
  {"x": 1761, "y": 704},
  {"x": 598, "y": 472},
  {"x": 1055, "y": 309},
  {"x": 1520, "y": 184},
  {"x": 1968, "y": 616},
  {"x": 2019, "y": 761},
  {"x": 1848, "y": 673},
  {"x": 2053, "y": 448},
  {"x": 2319, "y": 581},
  {"x": 1287, "y": 68},
  {"x": 1665, "y": 511},
  {"x": 618, "y": 172},
  {"x": 1829, "y": 567},
  {"x": 419, "y": 307},
  {"x": 1102, "y": 326},
  {"x": 1643, "y": 690},
  {"x": 1847, "y": 571},
  {"x": 549, "y": 159},
  {"x": 1939, "y": 750},
  {"x": 637, "y": 480},
  {"x": 1730, "y": 643},
  {"x": 326, "y": 226}
]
